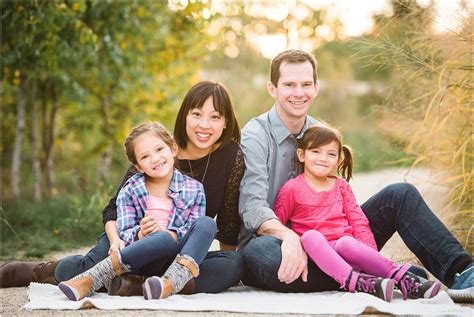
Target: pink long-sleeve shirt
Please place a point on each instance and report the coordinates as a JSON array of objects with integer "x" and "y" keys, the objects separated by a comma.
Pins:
[{"x": 334, "y": 213}]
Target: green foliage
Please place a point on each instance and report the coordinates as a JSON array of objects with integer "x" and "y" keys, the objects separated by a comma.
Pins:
[{"x": 32, "y": 230}]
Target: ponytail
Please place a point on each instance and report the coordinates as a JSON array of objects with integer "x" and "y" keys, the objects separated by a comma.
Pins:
[{"x": 345, "y": 166}]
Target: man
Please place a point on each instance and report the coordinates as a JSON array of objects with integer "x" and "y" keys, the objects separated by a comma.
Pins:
[{"x": 273, "y": 253}]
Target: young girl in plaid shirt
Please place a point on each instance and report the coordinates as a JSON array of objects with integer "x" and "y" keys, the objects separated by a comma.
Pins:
[{"x": 161, "y": 218}]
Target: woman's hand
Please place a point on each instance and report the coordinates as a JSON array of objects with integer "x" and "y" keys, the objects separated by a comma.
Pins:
[
  {"x": 116, "y": 245},
  {"x": 148, "y": 225}
]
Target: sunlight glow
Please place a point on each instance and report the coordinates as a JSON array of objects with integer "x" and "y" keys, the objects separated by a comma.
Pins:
[{"x": 450, "y": 14}]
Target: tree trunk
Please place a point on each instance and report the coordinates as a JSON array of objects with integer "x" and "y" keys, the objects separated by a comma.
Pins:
[
  {"x": 20, "y": 130},
  {"x": 35, "y": 143},
  {"x": 49, "y": 169},
  {"x": 105, "y": 159}
]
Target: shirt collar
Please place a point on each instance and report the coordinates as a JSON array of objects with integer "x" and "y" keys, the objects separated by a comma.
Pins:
[
  {"x": 280, "y": 129},
  {"x": 176, "y": 182}
]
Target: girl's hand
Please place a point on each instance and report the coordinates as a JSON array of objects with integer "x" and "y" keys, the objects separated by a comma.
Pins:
[
  {"x": 116, "y": 245},
  {"x": 148, "y": 225}
]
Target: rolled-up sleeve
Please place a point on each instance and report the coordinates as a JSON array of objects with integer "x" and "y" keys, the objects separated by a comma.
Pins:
[{"x": 254, "y": 187}]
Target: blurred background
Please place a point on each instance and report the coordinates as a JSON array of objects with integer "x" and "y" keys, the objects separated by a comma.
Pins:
[{"x": 395, "y": 76}]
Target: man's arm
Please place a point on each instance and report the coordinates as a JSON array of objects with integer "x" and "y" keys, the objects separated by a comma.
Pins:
[{"x": 254, "y": 208}]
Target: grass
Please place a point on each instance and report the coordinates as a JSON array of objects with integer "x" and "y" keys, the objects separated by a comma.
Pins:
[{"x": 32, "y": 230}]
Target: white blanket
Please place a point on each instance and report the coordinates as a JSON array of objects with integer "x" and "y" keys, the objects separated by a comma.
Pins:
[{"x": 250, "y": 300}]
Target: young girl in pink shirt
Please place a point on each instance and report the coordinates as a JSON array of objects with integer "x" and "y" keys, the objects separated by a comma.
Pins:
[{"x": 334, "y": 231}]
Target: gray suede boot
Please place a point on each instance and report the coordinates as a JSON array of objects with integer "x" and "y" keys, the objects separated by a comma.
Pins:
[
  {"x": 91, "y": 280},
  {"x": 181, "y": 271}
]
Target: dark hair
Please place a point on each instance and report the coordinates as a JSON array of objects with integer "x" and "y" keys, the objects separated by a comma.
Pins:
[
  {"x": 195, "y": 98},
  {"x": 291, "y": 57},
  {"x": 322, "y": 134},
  {"x": 155, "y": 127}
]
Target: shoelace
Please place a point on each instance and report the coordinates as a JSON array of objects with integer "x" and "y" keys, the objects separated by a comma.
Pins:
[
  {"x": 411, "y": 285},
  {"x": 366, "y": 284}
]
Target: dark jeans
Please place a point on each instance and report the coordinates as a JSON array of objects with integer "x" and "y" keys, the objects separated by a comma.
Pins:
[
  {"x": 219, "y": 270},
  {"x": 396, "y": 208}
]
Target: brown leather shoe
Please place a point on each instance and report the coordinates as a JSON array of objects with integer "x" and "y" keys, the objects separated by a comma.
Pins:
[
  {"x": 19, "y": 274},
  {"x": 44, "y": 273},
  {"x": 127, "y": 285},
  {"x": 189, "y": 288}
]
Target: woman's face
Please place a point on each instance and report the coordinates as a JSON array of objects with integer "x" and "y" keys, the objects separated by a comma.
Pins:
[{"x": 203, "y": 127}]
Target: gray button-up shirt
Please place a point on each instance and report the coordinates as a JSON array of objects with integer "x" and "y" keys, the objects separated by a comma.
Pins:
[{"x": 270, "y": 160}]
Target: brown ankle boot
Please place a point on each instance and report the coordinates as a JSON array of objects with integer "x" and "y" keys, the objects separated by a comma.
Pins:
[
  {"x": 19, "y": 274},
  {"x": 44, "y": 273},
  {"x": 127, "y": 285},
  {"x": 189, "y": 288}
]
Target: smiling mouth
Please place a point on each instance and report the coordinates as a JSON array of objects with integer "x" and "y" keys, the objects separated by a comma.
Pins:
[
  {"x": 298, "y": 103},
  {"x": 159, "y": 165},
  {"x": 203, "y": 135}
]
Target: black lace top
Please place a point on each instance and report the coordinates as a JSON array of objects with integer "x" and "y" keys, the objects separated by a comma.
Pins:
[{"x": 221, "y": 185}]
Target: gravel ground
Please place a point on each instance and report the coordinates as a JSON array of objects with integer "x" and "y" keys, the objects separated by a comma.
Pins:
[{"x": 364, "y": 185}]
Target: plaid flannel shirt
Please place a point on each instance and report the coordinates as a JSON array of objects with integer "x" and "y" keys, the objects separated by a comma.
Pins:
[{"x": 189, "y": 203}]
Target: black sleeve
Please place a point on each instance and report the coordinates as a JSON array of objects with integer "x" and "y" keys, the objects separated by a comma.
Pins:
[
  {"x": 228, "y": 219},
  {"x": 110, "y": 211}
]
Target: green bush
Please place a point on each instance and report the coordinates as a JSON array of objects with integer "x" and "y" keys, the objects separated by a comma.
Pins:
[{"x": 32, "y": 230}]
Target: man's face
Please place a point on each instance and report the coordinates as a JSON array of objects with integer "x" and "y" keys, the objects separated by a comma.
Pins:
[{"x": 295, "y": 91}]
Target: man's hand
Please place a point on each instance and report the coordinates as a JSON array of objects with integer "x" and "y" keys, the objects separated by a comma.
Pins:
[
  {"x": 294, "y": 261},
  {"x": 116, "y": 245}
]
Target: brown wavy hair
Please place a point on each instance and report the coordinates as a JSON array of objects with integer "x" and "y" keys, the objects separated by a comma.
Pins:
[
  {"x": 322, "y": 134},
  {"x": 158, "y": 130}
]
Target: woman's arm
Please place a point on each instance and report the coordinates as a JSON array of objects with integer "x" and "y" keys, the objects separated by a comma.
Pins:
[
  {"x": 116, "y": 244},
  {"x": 228, "y": 219}
]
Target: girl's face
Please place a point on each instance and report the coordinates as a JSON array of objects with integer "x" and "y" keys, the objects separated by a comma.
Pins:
[
  {"x": 203, "y": 127},
  {"x": 154, "y": 157},
  {"x": 320, "y": 161}
]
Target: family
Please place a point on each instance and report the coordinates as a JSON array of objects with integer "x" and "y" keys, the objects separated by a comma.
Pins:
[{"x": 284, "y": 220}]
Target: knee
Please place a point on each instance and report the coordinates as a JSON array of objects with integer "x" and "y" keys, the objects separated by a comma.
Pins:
[
  {"x": 206, "y": 225},
  {"x": 344, "y": 244},
  {"x": 401, "y": 190},
  {"x": 312, "y": 236},
  {"x": 264, "y": 251}
]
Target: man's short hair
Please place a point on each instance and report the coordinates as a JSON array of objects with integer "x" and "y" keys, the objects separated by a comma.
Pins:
[{"x": 291, "y": 57}]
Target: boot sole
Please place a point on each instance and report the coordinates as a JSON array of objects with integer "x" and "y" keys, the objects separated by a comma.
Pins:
[
  {"x": 387, "y": 287},
  {"x": 152, "y": 288},
  {"x": 465, "y": 295},
  {"x": 70, "y": 292}
]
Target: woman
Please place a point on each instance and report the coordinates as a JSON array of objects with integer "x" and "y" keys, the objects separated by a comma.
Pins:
[{"x": 207, "y": 134}]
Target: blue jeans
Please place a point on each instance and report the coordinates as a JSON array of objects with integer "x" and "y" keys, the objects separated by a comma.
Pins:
[
  {"x": 396, "y": 208},
  {"x": 218, "y": 271},
  {"x": 153, "y": 254},
  {"x": 74, "y": 265}
]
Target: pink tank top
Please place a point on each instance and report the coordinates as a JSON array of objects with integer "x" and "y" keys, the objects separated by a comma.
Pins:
[{"x": 160, "y": 209}]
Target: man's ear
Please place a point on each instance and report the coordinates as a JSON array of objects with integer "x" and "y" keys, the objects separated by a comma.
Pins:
[
  {"x": 300, "y": 155},
  {"x": 272, "y": 90},
  {"x": 316, "y": 87}
]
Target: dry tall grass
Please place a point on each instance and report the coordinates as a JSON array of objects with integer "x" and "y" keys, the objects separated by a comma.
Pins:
[{"x": 430, "y": 109}]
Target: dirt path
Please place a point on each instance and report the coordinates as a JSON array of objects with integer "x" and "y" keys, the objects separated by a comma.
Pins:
[{"x": 364, "y": 186}]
